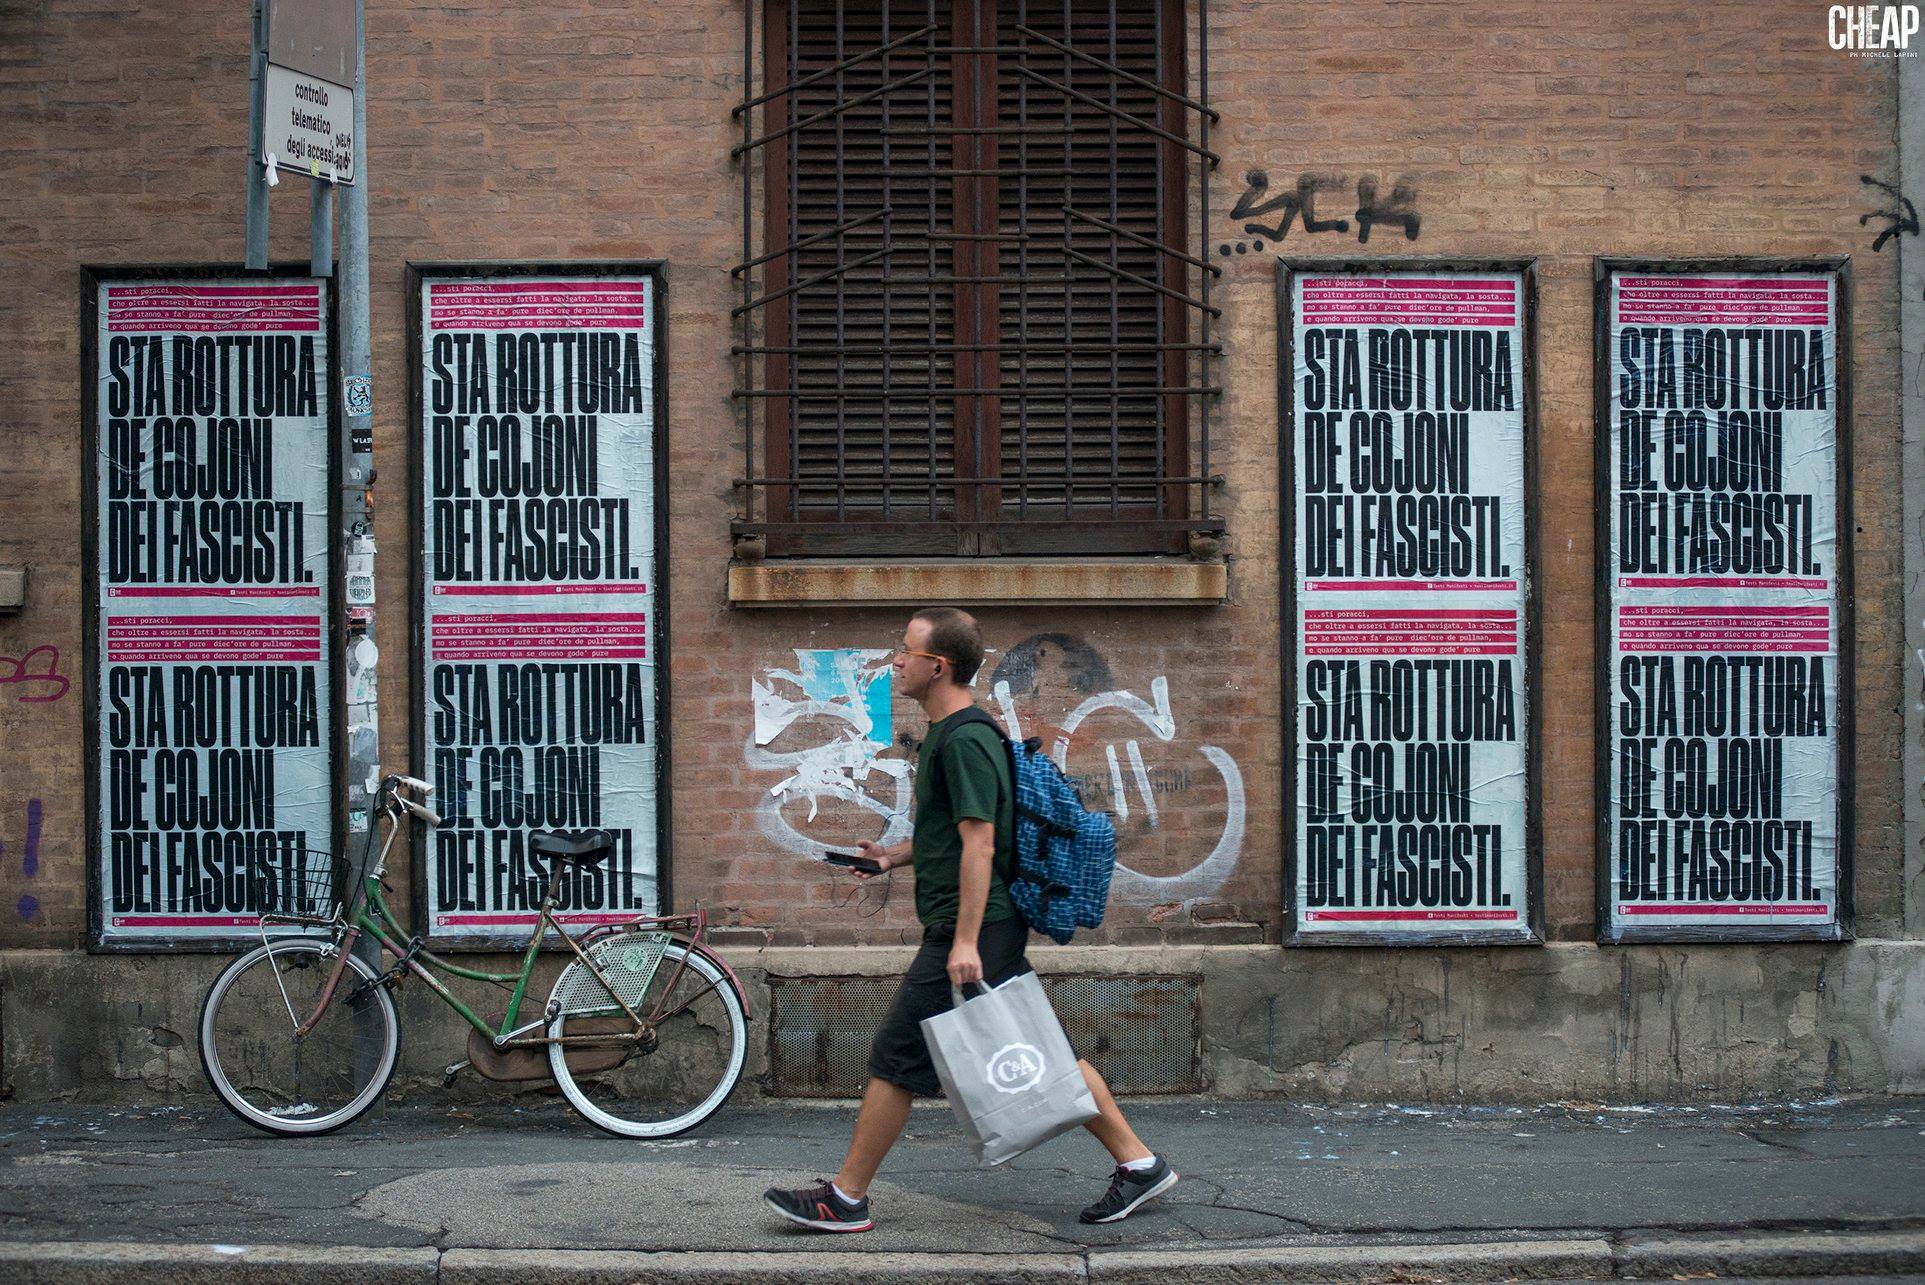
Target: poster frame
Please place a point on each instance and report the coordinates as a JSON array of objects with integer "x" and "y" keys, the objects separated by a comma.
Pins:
[
  {"x": 418, "y": 275},
  {"x": 1287, "y": 269},
  {"x": 1841, "y": 928},
  {"x": 92, "y": 277}
]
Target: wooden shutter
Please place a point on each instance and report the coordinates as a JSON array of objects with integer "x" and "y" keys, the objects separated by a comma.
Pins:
[
  {"x": 873, "y": 430},
  {"x": 1081, "y": 427}
]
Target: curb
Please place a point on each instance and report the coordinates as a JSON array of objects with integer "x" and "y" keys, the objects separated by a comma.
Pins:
[
  {"x": 1646, "y": 1256},
  {"x": 116, "y": 1263},
  {"x": 798, "y": 1267},
  {"x": 1801, "y": 1253},
  {"x": 1486, "y": 1261}
]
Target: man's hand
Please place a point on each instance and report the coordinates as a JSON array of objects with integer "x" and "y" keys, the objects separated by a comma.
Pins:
[
  {"x": 965, "y": 965},
  {"x": 876, "y": 853}
]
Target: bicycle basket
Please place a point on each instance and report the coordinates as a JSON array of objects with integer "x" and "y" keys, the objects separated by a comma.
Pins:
[
  {"x": 306, "y": 886},
  {"x": 627, "y": 960}
]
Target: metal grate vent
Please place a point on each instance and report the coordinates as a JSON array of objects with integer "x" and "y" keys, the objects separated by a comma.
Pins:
[{"x": 1140, "y": 1032}]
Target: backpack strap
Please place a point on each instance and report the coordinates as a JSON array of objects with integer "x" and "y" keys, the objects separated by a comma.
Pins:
[{"x": 963, "y": 718}]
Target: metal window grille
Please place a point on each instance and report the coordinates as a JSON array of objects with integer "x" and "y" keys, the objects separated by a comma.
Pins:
[{"x": 971, "y": 320}]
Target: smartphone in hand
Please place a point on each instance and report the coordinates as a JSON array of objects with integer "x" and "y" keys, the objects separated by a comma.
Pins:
[{"x": 853, "y": 862}]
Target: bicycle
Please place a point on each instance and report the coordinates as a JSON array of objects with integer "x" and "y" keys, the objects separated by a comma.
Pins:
[{"x": 300, "y": 1036}]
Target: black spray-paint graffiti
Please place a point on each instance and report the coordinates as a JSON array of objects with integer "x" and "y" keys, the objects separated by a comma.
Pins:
[
  {"x": 1902, "y": 213},
  {"x": 1399, "y": 209}
]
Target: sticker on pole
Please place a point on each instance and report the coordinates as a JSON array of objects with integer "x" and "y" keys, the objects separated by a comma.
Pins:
[{"x": 357, "y": 395}]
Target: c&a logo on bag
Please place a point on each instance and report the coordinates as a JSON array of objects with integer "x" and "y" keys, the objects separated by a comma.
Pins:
[{"x": 1015, "y": 1067}]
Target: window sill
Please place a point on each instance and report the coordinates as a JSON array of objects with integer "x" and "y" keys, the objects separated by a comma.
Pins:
[{"x": 986, "y": 582}]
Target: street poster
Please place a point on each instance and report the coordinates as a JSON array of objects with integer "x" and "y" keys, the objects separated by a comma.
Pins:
[
  {"x": 213, "y": 734},
  {"x": 1720, "y": 633},
  {"x": 1408, "y": 576},
  {"x": 539, "y": 593}
]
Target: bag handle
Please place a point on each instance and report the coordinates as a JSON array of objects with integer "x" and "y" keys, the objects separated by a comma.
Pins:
[{"x": 956, "y": 996}]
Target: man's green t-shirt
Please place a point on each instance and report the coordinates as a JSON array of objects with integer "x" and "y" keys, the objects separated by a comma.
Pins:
[{"x": 974, "y": 766}]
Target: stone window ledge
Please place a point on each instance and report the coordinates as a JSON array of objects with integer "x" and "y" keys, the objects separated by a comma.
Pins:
[{"x": 985, "y": 582}]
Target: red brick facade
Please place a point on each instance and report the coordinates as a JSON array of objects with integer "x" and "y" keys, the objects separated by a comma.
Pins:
[{"x": 601, "y": 131}]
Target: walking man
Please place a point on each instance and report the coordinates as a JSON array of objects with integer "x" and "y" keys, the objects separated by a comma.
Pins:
[{"x": 963, "y": 848}]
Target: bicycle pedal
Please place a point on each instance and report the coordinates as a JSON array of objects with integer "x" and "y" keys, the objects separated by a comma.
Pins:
[{"x": 448, "y": 1076}]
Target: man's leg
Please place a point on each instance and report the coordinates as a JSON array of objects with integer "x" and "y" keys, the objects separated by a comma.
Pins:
[
  {"x": 1141, "y": 1174},
  {"x": 1110, "y": 1128},
  {"x": 885, "y": 1110}
]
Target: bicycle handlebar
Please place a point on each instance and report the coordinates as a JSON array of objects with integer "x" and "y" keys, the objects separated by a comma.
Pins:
[{"x": 421, "y": 810}]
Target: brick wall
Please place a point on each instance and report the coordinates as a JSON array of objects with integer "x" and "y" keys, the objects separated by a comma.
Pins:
[{"x": 582, "y": 130}]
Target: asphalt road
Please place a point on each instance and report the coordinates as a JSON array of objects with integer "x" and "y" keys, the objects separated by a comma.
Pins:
[{"x": 525, "y": 1173}]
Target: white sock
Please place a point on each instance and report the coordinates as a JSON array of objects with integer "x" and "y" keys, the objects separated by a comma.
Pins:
[
  {"x": 1144, "y": 1165},
  {"x": 846, "y": 1198}
]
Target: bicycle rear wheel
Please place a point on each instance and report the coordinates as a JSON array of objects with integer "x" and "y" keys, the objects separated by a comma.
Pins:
[
  {"x": 662, "y": 1088},
  {"x": 289, "y": 1084}
]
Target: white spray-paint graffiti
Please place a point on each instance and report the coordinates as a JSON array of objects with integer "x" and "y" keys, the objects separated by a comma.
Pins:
[
  {"x": 1127, "y": 884},
  {"x": 844, "y": 695},
  {"x": 846, "y": 691}
]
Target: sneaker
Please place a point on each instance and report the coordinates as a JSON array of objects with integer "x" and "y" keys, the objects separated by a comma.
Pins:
[
  {"x": 820, "y": 1208},
  {"x": 1129, "y": 1190}
]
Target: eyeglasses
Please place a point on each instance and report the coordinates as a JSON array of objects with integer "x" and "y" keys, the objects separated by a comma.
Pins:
[{"x": 929, "y": 655}]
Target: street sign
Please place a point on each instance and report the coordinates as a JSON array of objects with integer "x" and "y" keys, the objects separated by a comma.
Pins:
[{"x": 308, "y": 126}]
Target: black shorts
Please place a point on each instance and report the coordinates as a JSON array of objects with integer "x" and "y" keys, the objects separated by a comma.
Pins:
[{"x": 900, "y": 1054}]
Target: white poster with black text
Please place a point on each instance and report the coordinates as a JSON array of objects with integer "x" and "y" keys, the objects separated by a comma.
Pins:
[
  {"x": 1723, "y": 557},
  {"x": 1410, "y": 581},
  {"x": 214, "y": 736},
  {"x": 539, "y": 603}
]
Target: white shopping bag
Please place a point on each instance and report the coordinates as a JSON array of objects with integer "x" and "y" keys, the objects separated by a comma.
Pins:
[{"x": 1008, "y": 1070}]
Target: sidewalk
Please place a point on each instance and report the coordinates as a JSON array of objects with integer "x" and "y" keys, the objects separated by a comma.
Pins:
[{"x": 491, "y": 1190}]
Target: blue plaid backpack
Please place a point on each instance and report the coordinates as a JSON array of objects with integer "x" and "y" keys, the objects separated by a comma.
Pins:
[{"x": 1064, "y": 852}]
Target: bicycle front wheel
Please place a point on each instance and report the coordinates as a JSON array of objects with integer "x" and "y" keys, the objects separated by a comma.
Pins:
[
  {"x": 675, "y": 1078},
  {"x": 282, "y": 1081}
]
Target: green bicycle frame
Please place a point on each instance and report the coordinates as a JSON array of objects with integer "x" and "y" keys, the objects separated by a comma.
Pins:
[{"x": 371, "y": 915}]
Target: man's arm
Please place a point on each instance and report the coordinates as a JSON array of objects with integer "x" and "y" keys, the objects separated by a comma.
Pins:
[{"x": 978, "y": 855}]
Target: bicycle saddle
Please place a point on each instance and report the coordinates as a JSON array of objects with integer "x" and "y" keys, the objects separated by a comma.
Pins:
[{"x": 585, "y": 847}]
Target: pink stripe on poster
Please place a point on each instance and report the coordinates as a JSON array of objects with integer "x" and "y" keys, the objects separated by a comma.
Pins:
[
  {"x": 208, "y": 309},
  {"x": 542, "y": 653},
  {"x": 185, "y": 921},
  {"x": 1757, "y": 647},
  {"x": 1721, "y": 582},
  {"x": 517, "y": 590},
  {"x": 1406, "y": 586},
  {"x": 528, "y": 919},
  {"x": 1409, "y": 916},
  {"x": 1719, "y": 908},
  {"x": 1721, "y": 283},
  {"x": 214, "y": 591}
]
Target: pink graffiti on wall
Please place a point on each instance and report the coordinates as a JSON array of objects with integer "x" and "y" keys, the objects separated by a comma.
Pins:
[{"x": 36, "y": 676}]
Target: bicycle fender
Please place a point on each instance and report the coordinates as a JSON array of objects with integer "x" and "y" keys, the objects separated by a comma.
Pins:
[{"x": 741, "y": 992}]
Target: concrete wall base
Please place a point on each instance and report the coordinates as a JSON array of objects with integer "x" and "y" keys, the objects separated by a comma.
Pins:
[{"x": 1559, "y": 1022}]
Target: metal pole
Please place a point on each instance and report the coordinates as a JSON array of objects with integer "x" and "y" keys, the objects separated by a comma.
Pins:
[
  {"x": 357, "y": 473},
  {"x": 256, "y": 130},
  {"x": 321, "y": 229},
  {"x": 1911, "y": 328}
]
